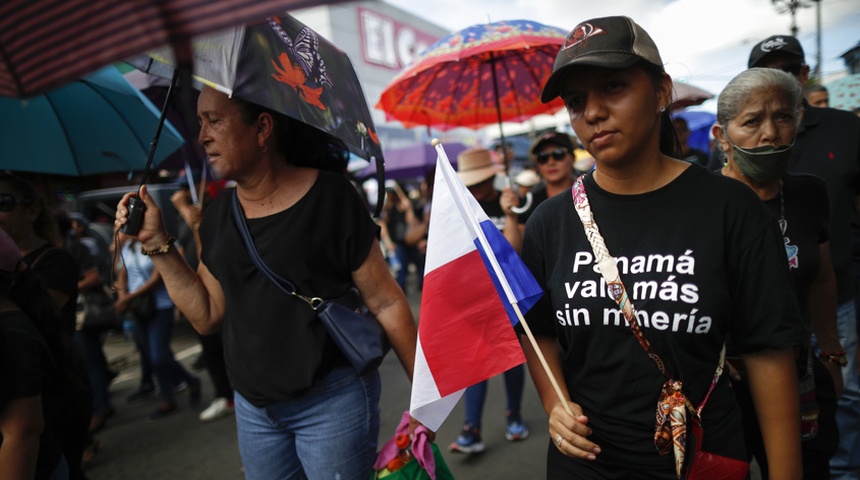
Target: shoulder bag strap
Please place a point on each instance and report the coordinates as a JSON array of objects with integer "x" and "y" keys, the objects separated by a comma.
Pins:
[
  {"x": 41, "y": 255},
  {"x": 282, "y": 283},
  {"x": 673, "y": 404}
]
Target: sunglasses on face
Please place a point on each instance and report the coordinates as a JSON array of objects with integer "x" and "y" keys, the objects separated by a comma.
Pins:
[
  {"x": 8, "y": 202},
  {"x": 793, "y": 68},
  {"x": 558, "y": 154}
]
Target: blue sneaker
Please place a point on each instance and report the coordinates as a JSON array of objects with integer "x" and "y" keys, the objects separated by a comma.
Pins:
[
  {"x": 469, "y": 441},
  {"x": 517, "y": 430}
]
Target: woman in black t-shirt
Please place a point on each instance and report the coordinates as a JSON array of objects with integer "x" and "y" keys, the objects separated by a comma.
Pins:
[
  {"x": 694, "y": 275},
  {"x": 29, "y": 374},
  {"x": 757, "y": 115},
  {"x": 312, "y": 227}
]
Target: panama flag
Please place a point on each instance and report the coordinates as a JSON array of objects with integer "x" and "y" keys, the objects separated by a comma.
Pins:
[{"x": 475, "y": 288}]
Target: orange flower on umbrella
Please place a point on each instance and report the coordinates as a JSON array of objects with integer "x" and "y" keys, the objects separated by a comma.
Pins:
[{"x": 294, "y": 76}]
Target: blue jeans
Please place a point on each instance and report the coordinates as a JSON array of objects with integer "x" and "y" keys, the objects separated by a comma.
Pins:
[
  {"x": 155, "y": 334},
  {"x": 476, "y": 394},
  {"x": 845, "y": 464},
  {"x": 402, "y": 254},
  {"x": 330, "y": 431}
]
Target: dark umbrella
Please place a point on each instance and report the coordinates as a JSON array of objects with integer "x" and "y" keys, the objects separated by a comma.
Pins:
[
  {"x": 685, "y": 95},
  {"x": 284, "y": 65},
  {"x": 47, "y": 43}
]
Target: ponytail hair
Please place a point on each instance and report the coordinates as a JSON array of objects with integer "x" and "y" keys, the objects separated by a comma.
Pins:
[{"x": 670, "y": 145}]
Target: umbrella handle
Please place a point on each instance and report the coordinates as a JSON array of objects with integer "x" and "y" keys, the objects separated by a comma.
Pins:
[
  {"x": 526, "y": 206},
  {"x": 136, "y": 211}
]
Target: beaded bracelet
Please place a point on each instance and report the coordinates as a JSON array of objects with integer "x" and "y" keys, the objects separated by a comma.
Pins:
[{"x": 836, "y": 357}]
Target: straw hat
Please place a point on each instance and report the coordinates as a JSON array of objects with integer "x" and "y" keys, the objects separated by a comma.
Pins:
[
  {"x": 476, "y": 165},
  {"x": 527, "y": 178}
]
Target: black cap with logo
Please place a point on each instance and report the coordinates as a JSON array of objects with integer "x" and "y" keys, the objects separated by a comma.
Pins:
[
  {"x": 773, "y": 44},
  {"x": 610, "y": 42}
]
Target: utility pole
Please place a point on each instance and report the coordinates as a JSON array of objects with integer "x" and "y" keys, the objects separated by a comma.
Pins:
[
  {"x": 792, "y": 6},
  {"x": 818, "y": 40}
]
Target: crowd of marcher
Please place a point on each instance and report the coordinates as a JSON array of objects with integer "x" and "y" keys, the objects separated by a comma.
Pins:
[{"x": 713, "y": 310}]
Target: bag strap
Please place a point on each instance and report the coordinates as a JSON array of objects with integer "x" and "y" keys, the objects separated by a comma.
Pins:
[
  {"x": 279, "y": 281},
  {"x": 609, "y": 269},
  {"x": 671, "y": 420},
  {"x": 36, "y": 261}
]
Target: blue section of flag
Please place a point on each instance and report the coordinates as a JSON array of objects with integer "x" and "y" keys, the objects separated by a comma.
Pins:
[{"x": 523, "y": 285}]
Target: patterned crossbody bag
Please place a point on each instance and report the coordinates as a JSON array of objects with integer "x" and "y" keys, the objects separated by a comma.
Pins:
[{"x": 670, "y": 432}]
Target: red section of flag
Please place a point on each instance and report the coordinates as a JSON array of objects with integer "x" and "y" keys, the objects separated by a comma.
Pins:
[{"x": 464, "y": 330}]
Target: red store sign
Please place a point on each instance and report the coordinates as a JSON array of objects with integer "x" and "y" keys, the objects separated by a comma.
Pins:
[{"x": 389, "y": 43}]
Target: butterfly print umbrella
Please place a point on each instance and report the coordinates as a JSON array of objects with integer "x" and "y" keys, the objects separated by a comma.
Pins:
[
  {"x": 47, "y": 43},
  {"x": 476, "y": 77},
  {"x": 283, "y": 65}
]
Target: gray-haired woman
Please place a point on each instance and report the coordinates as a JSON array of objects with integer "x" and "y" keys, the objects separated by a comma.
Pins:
[{"x": 757, "y": 118}]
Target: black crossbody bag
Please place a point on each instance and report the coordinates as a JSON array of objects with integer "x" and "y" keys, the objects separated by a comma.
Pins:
[{"x": 349, "y": 323}]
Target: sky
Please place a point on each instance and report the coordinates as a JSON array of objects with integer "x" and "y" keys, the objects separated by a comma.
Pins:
[{"x": 702, "y": 42}]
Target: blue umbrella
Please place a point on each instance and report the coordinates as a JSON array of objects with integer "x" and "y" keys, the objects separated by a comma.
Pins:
[
  {"x": 98, "y": 124},
  {"x": 700, "y": 123}
]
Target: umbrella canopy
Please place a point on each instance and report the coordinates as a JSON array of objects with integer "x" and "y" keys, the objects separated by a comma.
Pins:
[
  {"x": 283, "y": 65},
  {"x": 476, "y": 77},
  {"x": 685, "y": 95},
  {"x": 413, "y": 161},
  {"x": 47, "y": 43},
  {"x": 700, "y": 124},
  {"x": 98, "y": 124},
  {"x": 845, "y": 92}
]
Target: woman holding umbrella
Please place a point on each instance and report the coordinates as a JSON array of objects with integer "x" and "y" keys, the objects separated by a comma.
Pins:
[
  {"x": 301, "y": 411},
  {"x": 685, "y": 279}
]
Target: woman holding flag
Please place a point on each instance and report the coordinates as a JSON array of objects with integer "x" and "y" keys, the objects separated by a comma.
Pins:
[{"x": 636, "y": 313}]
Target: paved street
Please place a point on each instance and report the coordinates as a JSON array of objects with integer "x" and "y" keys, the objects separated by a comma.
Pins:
[{"x": 180, "y": 447}]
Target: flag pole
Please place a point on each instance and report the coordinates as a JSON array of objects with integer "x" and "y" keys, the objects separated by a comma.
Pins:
[
  {"x": 542, "y": 359},
  {"x": 476, "y": 231}
]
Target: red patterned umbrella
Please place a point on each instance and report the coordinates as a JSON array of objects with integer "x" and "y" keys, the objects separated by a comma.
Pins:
[{"x": 476, "y": 77}]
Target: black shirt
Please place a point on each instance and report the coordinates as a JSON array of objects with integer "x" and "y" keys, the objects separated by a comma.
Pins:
[
  {"x": 27, "y": 369},
  {"x": 273, "y": 344},
  {"x": 806, "y": 221},
  {"x": 828, "y": 146},
  {"x": 696, "y": 275}
]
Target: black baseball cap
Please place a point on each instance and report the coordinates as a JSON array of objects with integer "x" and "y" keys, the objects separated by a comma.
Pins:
[
  {"x": 786, "y": 44},
  {"x": 557, "y": 138},
  {"x": 610, "y": 42}
]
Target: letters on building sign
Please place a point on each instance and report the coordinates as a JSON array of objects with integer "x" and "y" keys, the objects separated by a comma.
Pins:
[{"x": 389, "y": 43}]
